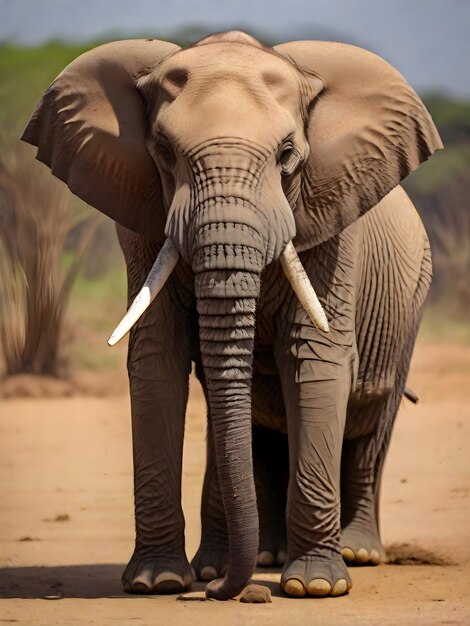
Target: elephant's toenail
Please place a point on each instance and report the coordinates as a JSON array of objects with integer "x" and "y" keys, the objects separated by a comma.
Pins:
[
  {"x": 265, "y": 558},
  {"x": 348, "y": 554},
  {"x": 140, "y": 587},
  {"x": 340, "y": 588},
  {"x": 362, "y": 556},
  {"x": 294, "y": 587},
  {"x": 374, "y": 557},
  {"x": 168, "y": 582},
  {"x": 318, "y": 587},
  {"x": 281, "y": 557},
  {"x": 208, "y": 573}
]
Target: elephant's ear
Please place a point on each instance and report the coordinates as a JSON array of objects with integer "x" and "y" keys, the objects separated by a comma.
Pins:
[
  {"x": 367, "y": 131},
  {"x": 90, "y": 129}
]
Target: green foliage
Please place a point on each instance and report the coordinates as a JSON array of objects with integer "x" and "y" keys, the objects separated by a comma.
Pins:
[
  {"x": 443, "y": 327},
  {"x": 444, "y": 168},
  {"x": 25, "y": 73},
  {"x": 452, "y": 117},
  {"x": 452, "y": 164},
  {"x": 440, "y": 188},
  {"x": 96, "y": 306}
]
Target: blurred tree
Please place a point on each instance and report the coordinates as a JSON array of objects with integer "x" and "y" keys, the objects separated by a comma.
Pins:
[
  {"x": 35, "y": 219},
  {"x": 106, "y": 252},
  {"x": 444, "y": 208}
]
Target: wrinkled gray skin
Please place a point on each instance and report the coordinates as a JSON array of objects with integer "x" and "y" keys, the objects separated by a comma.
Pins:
[{"x": 231, "y": 150}]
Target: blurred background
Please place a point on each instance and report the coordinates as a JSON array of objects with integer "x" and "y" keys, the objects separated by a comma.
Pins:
[{"x": 62, "y": 278}]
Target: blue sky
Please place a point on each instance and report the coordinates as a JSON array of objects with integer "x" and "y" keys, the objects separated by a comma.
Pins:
[{"x": 427, "y": 40}]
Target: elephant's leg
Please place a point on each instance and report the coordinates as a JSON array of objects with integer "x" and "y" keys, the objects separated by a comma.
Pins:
[
  {"x": 271, "y": 467},
  {"x": 315, "y": 396},
  {"x": 370, "y": 422},
  {"x": 159, "y": 388},
  {"x": 361, "y": 473},
  {"x": 210, "y": 561},
  {"x": 159, "y": 366}
]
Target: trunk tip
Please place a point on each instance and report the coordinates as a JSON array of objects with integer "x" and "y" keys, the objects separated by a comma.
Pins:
[{"x": 218, "y": 590}]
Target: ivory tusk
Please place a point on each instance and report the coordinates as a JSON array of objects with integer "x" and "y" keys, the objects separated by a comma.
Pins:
[
  {"x": 164, "y": 264},
  {"x": 302, "y": 287}
]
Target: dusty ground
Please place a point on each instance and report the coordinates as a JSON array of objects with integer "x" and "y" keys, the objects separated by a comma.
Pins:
[{"x": 67, "y": 524}]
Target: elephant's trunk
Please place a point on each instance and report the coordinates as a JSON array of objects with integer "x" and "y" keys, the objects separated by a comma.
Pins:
[{"x": 226, "y": 301}]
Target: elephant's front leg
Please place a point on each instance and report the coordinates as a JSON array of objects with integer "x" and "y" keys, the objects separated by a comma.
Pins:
[
  {"x": 159, "y": 366},
  {"x": 316, "y": 388},
  {"x": 158, "y": 375}
]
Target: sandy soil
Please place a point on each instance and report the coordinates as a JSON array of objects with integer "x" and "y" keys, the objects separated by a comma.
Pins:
[{"x": 67, "y": 523}]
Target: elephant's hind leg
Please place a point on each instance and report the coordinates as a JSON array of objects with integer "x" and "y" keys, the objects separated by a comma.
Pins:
[
  {"x": 369, "y": 425},
  {"x": 271, "y": 467},
  {"x": 361, "y": 472},
  {"x": 389, "y": 311}
]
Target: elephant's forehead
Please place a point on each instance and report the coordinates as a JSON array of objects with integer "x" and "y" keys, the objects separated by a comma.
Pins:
[
  {"x": 226, "y": 54},
  {"x": 221, "y": 89},
  {"x": 245, "y": 64}
]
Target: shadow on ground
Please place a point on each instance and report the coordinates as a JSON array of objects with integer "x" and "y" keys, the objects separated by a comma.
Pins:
[
  {"x": 104, "y": 580},
  {"x": 69, "y": 581}
]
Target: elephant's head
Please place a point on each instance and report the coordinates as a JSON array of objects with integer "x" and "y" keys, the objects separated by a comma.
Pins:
[{"x": 227, "y": 152}]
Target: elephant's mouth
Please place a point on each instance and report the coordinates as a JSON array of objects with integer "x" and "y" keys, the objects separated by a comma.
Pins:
[{"x": 166, "y": 262}]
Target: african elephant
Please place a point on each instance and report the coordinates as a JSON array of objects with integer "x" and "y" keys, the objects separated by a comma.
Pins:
[{"x": 257, "y": 200}]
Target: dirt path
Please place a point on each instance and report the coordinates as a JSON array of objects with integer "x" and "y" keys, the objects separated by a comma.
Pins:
[{"x": 67, "y": 524}]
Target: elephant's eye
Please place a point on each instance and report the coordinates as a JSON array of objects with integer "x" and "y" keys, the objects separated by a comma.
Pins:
[
  {"x": 165, "y": 151},
  {"x": 288, "y": 158}
]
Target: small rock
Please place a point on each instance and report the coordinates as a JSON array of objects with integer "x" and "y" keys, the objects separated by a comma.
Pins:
[
  {"x": 28, "y": 538},
  {"x": 256, "y": 594}
]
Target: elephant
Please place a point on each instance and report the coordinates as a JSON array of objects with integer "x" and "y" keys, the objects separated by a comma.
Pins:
[{"x": 268, "y": 242}]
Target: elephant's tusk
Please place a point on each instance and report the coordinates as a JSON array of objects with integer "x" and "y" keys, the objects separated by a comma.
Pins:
[
  {"x": 164, "y": 264},
  {"x": 302, "y": 287}
]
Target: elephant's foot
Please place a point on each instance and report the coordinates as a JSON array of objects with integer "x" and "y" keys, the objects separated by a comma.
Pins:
[
  {"x": 361, "y": 545},
  {"x": 272, "y": 558},
  {"x": 360, "y": 538},
  {"x": 210, "y": 561},
  {"x": 149, "y": 571},
  {"x": 272, "y": 546},
  {"x": 316, "y": 576}
]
